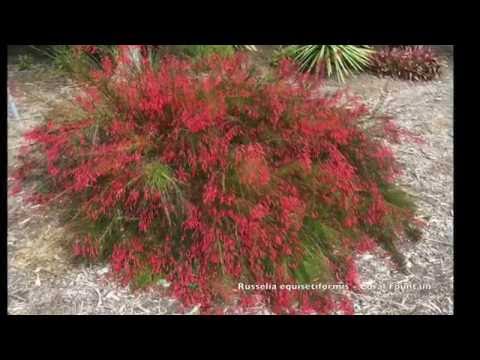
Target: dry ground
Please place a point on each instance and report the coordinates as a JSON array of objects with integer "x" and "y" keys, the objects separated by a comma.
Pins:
[{"x": 43, "y": 280}]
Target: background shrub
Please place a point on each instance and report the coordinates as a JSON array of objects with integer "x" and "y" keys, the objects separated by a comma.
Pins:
[
  {"x": 205, "y": 174},
  {"x": 406, "y": 62}
]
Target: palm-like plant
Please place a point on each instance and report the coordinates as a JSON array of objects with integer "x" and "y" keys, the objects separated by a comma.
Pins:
[
  {"x": 338, "y": 60},
  {"x": 251, "y": 48}
]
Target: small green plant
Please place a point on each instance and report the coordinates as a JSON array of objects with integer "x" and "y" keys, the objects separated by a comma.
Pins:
[
  {"x": 61, "y": 56},
  {"x": 144, "y": 278},
  {"x": 25, "y": 62}
]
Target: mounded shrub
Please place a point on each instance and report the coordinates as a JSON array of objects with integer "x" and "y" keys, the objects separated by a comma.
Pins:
[
  {"x": 406, "y": 62},
  {"x": 207, "y": 175}
]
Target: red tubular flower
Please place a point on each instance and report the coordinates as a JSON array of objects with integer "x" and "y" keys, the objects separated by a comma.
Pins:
[
  {"x": 351, "y": 277},
  {"x": 253, "y": 169},
  {"x": 346, "y": 306}
]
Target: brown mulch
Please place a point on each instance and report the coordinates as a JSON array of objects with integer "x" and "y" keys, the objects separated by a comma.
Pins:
[{"x": 425, "y": 109}]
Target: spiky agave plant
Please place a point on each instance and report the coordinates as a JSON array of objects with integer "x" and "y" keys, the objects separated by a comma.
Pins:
[
  {"x": 337, "y": 60},
  {"x": 251, "y": 48}
]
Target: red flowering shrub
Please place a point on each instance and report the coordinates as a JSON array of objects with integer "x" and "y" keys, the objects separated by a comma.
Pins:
[
  {"x": 406, "y": 62},
  {"x": 207, "y": 175}
]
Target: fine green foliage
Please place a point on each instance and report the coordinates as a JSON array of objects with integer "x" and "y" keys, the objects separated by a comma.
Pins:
[
  {"x": 145, "y": 278},
  {"x": 198, "y": 51},
  {"x": 62, "y": 56},
  {"x": 25, "y": 62},
  {"x": 398, "y": 198},
  {"x": 158, "y": 176},
  {"x": 318, "y": 240}
]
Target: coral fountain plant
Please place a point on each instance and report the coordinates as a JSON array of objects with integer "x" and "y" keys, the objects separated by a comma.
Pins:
[{"x": 208, "y": 175}]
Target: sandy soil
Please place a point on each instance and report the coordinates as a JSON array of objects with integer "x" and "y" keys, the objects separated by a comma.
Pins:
[{"x": 43, "y": 280}]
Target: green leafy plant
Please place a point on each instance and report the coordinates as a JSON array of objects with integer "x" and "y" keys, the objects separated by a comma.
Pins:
[
  {"x": 25, "y": 62},
  {"x": 61, "y": 56}
]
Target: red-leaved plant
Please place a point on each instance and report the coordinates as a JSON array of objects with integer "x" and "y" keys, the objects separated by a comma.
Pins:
[
  {"x": 208, "y": 175},
  {"x": 406, "y": 62}
]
